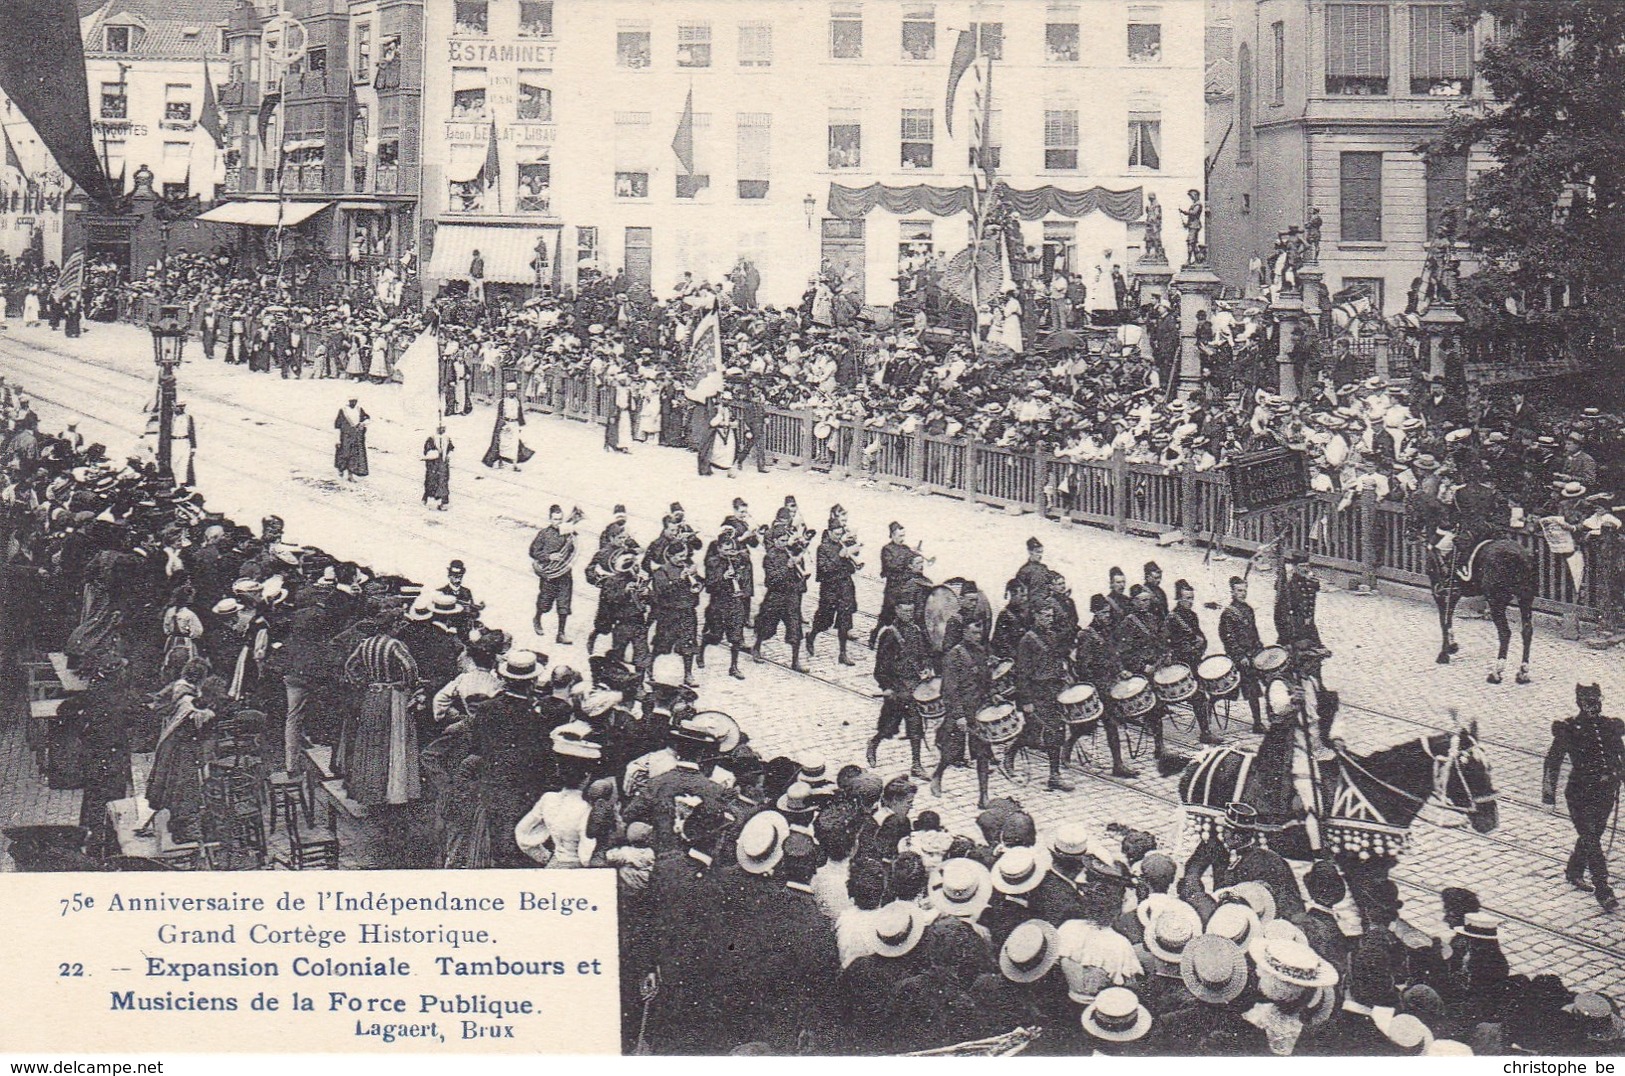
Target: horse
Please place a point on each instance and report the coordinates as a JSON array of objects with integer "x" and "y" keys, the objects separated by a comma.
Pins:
[
  {"x": 1502, "y": 571},
  {"x": 1371, "y": 800}
]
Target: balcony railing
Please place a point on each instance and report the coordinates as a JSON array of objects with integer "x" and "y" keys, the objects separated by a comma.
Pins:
[{"x": 386, "y": 179}]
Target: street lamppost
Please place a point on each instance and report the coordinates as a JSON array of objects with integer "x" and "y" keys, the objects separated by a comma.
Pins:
[{"x": 168, "y": 340}]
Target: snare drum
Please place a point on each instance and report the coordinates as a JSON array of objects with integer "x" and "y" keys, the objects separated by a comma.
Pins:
[
  {"x": 1080, "y": 704},
  {"x": 1174, "y": 683},
  {"x": 1004, "y": 685},
  {"x": 928, "y": 699},
  {"x": 998, "y": 725},
  {"x": 1219, "y": 676},
  {"x": 1133, "y": 698},
  {"x": 1270, "y": 662}
]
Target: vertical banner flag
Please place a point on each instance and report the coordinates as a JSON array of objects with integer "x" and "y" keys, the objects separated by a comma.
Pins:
[
  {"x": 493, "y": 166},
  {"x": 419, "y": 400},
  {"x": 964, "y": 56},
  {"x": 13, "y": 164},
  {"x": 705, "y": 350},
  {"x": 209, "y": 119},
  {"x": 682, "y": 143},
  {"x": 42, "y": 70},
  {"x": 71, "y": 281}
]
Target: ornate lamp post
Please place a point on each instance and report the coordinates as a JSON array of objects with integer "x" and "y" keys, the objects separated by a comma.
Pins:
[{"x": 168, "y": 340}]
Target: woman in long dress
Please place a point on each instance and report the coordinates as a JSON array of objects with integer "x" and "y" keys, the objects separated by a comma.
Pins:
[
  {"x": 183, "y": 633},
  {"x": 506, "y": 444},
  {"x": 383, "y": 763},
  {"x": 355, "y": 367},
  {"x": 105, "y": 714},
  {"x": 724, "y": 448},
  {"x": 1007, "y": 325},
  {"x": 437, "y": 469},
  {"x": 173, "y": 785},
  {"x": 378, "y": 367},
  {"x": 31, "y": 308}
]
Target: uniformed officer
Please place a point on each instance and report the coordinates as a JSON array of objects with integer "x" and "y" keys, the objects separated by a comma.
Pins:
[
  {"x": 1238, "y": 635},
  {"x": 967, "y": 688},
  {"x": 896, "y": 568},
  {"x": 1595, "y": 748},
  {"x": 902, "y": 661},
  {"x": 837, "y": 595},
  {"x": 785, "y": 578},
  {"x": 1295, "y": 629}
]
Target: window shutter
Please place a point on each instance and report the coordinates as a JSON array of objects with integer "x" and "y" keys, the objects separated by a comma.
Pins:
[
  {"x": 755, "y": 142},
  {"x": 1356, "y": 41},
  {"x": 1438, "y": 49},
  {"x": 1360, "y": 197}
]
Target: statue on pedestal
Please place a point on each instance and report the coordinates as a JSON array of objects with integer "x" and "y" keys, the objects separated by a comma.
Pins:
[
  {"x": 1312, "y": 229},
  {"x": 1442, "y": 270},
  {"x": 1154, "y": 250},
  {"x": 1193, "y": 219},
  {"x": 143, "y": 178}
]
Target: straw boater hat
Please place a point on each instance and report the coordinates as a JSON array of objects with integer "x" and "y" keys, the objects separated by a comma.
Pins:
[
  {"x": 1234, "y": 922},
  {"x": 1256, "y": 894},
  {"x": 1291, "y": 963},
  {"x": 1285, "y": 930},
  {"x": 1214, "y": 969},
  {"x": 420, "y": 610},
  {"x": 897, "y": 929},
  {"x": 667, "y": 671},
  {"x": 447, "y": 605},
  {"x": 965, "y": 889},
  {"x": 1019, "y": 870},
  {"x": 1171, "y": 931},
  {"x": 227, "y": 606},
  {"x": 1117, "y": 1016},
  {"x": 761, "y": 842},
  {"x": 1481, "y": 925},
  {"x": 519, "y": 665},
  {"x": 1029, "y": 952}
]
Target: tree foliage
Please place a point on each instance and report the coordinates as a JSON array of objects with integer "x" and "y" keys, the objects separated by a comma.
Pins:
[{"x": 1548, "y": 221}]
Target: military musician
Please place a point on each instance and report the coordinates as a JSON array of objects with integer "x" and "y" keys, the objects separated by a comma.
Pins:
[
  {"x": 552, "y": 554},
  {"x": 784, "y": 577},
  {"x": 1594, "y": 747},
  {"x": 967, "y": 688},
  {"x": 902, "y": 662},
  {"x": 675, "y": 601},
  {"x": 896, "y": 568},
  {"x": 1295, "y": 595},
  {"x": 1185, "y": 643},
  {"x": 1041, "y": 674},
  {"x": 837, "y": 562},
  {"x": 623, "y": 604},
  {"x": 730, "y": 583},
  {"x": 1095, "y": 659}
]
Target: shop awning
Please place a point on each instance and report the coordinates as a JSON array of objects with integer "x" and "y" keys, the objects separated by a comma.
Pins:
[
  {"x": 263, "y": 214},
  {"x": 507, "y": 252}
]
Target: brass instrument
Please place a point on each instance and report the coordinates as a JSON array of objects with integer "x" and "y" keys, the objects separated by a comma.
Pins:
[
  {"x": 919, "y": 550},
  {"x": 852, "y": 550},
  {"x": 559, "y": 562}
]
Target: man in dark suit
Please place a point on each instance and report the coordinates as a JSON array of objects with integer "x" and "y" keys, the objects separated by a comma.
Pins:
[
  {"x": 896, "y": 568},
  {"x": 657, "y": 804}
]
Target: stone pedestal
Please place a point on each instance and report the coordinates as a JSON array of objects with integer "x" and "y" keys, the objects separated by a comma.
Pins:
[
  {"x": 1441, "y": 326},
  {"x": 1198, "y": 286},
  {"x": 1289, "y": 315},
  {"x": 1153, "y": 278},
  {"x": 1312, "y": 283}
]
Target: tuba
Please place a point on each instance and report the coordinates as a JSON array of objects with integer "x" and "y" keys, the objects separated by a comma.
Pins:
[{"x": 558, "y": 563}]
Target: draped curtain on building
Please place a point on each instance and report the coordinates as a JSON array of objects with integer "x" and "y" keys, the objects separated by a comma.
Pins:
[{"x": 855, "y": 202}]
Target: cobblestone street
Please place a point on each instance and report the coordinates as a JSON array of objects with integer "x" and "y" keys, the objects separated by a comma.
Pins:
[{"x": 266, "y": 445}]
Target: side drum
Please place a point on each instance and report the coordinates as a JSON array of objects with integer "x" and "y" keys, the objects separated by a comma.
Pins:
[
  {"x": 1080, "y": 704},
  {"x": 1219, "y": 676},
  {"x": 998, "y": 725},
  {"x": 1174, "y": 683},
  {"x": 928, "y": 699},
  {"x": 1133, "y": 698}
]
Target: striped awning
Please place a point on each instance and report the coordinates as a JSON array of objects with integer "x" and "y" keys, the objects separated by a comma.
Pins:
[
  {"x": 506, "y": 250},
  {"x": 263, "y": 214}
]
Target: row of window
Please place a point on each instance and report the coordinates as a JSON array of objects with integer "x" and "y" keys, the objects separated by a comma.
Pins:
[
  {"x": 1062, "y": 41},
  {"x": 115, "y": 102},
  {"x": 1358, "y": 48},
  {"x": 1360, "y": 206},
  {"x": 472, "y": 18},
  {"x": 469, "y": 99}
]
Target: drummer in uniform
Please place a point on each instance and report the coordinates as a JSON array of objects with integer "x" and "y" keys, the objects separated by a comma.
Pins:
[
  {"x": 1139, "y": 648},
  {"x": 967, "y": 689},
  {"x": 1013, "y": 621},
  {"x": 1117, "y": 595},
  {"x": 1095, "y": 659},
  {"x": 896, "y": 568},
  {"x": 902, "y": 661},
  {"x": 1185, "y": 643},
  {"x": 1238, "y": 635},
  {"x": 1041, "y": 674},
  {"x": 1034, "y": 574}
]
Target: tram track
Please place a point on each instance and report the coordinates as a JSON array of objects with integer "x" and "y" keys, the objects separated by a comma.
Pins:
[{"x": 71, "y": 394}]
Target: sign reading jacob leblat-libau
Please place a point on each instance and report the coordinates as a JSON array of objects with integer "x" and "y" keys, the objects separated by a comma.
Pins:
[{"x": 498, "y": 962}]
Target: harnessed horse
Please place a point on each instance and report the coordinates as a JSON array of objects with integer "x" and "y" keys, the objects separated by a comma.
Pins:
[{"x": 1502, "y": 571}]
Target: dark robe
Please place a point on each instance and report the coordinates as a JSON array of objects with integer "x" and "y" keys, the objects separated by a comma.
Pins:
[
  {"x": 437, "y": 469},
  {"x": 350, "y": 457}
]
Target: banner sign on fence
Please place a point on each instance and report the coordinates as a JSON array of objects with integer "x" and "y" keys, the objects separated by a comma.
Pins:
[{"x": 1266, "y": 479}]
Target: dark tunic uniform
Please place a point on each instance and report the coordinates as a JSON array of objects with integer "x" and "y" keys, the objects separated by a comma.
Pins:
[
  {"x": 967, "y": 685},
  {"x": 895, "y": 559},
  {"x": 554, "y": 592},
  {"x": 1595, "y": 749},
  {"x": 902, "y": 659},
  {"x": 675, "y": 601},
  {"x": 1041, "y": 674},
  {"x": 1238, "y": 634},
  {"x": 837, "y": 595},
  {"x": 785, "y": 585},
  {"x": 730, "y": 582}
]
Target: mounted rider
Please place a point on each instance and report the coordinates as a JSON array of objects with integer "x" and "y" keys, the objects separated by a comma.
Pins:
[{"x": 1297, "y": 757}]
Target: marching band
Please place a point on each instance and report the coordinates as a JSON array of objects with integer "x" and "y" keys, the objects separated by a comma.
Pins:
[{"x": 1036, "y": 677}]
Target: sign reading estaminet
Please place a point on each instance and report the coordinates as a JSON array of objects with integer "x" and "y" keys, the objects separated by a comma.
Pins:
[{"x": 521, "y": 961}]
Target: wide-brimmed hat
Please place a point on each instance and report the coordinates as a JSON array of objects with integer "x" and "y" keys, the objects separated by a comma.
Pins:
[
  {"x": 1030, "y": 952},
  {"x": 761, "y": 842},
  {"x": 1403, "y": 1030},
  {"x": 1596, "y": 1011},
  {"x": 1291, "y": 963},
  {"x": 573, "y": 739},
  {"x": 1481, "y": 925},
  {"x": 1019, "y": 870},
  {"x": 1070, "y": 839},
  {"x": 1257, "y": 895},
  {"x": 227, "y": 606},
  {"x": 1117, "y": 1016},
  {"x": 420, "y": 610},
  {"x": 1214, "y": 969},
  {"x": 599, "y": 703},
  {"x": 964, "y": 890},
  {"x": 897, "y": 929},
  {"x": 519, "y": 665},
  {"x": 1574, "y": 489},
  {"x": 667, "y": 671},
  {"x": 1285, "y": 930},
  {"x": 247, "y": 587},
  {"x": 446, "y": 605},
  {"x": 1237, "y": 923},
  {"x": 1171, "y": 930}
]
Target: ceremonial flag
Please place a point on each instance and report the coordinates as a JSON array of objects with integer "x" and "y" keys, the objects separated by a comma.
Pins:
[
  {"x": 682, "y": 143},
  {"x": 705, "y": 351},
  {"x": 420, "y": 401},
  {"x": 14, "y": 165},
  {"x": 493, "y": 165},
  {"x": 209, "y": 119},
  {"x": 42, "y": 69},
  {"x": 71, "y": 281},
  {"x": 964, "y": 56}
]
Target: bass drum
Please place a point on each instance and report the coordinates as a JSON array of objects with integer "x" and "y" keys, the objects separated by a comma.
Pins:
[{"x": 947, "y": 601}]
